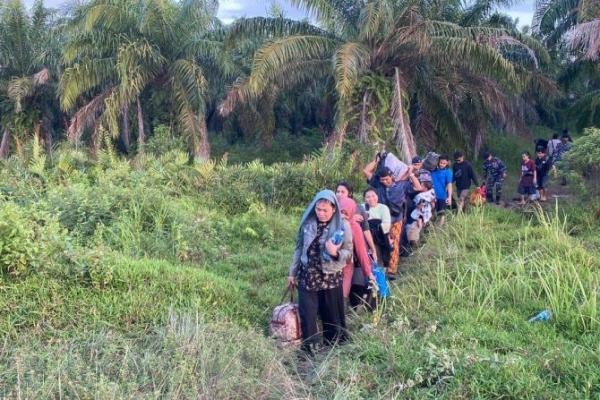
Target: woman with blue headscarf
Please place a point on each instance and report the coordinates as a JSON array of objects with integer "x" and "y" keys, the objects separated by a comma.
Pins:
[{"x": 317, "y": 270}]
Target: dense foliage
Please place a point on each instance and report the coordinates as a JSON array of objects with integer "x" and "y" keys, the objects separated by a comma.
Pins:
[{"x": 100, "y": 71}]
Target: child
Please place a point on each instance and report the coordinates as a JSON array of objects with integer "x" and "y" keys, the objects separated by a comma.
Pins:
[
  {"x": 429, "y": 196},
  {"x": 416, "y": 221},
  {"x": 528, "y": 177}
]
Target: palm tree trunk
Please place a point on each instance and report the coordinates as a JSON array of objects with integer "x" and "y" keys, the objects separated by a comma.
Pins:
[
  {"x": 403, "y": 136},
  {"x": 47, "y": 131},
  {"x": 363, "y": 130},
  {"x": 478, "y": 144},
  {"x": 125, "y": 134},
  {"x": 140, "y": 119},
  {"x": 202, "y": 146},
  {"x": 4, "y": 144},
  {"x": 94, "y": 141}
]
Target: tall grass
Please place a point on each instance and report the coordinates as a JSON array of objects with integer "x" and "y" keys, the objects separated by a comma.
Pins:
[
  {"x": 187, "y": 358},
  {"x": 155, "y": 278},
  {"x": 493, "y": 265}
]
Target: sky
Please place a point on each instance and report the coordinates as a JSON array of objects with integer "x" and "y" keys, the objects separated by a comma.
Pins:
[{"x": 231, "y": 9}]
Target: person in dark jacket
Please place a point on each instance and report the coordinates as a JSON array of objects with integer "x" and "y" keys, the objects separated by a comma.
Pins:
[
  {"x": 543, "y": 165},
  {"x": 463, "y": 176},
  {"x": 316, "y": 270}
]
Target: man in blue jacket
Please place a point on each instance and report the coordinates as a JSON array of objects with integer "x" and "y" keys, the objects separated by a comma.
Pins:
[{"x": 442, "y": 185}]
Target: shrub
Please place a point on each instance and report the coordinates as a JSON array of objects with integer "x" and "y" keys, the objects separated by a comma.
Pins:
[
  {"x": 91, "y": 267},
  {"x": 584, "y": 156},
  {"x": 18, "y": 247}
]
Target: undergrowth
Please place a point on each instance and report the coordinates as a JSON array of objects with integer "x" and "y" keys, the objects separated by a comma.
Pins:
[{"x": 155, "y": 278}]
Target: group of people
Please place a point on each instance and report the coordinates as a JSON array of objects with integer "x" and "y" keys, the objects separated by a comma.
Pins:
[
  {"x": 340, "y": 241},
  {"x": 536, "y": 173}
]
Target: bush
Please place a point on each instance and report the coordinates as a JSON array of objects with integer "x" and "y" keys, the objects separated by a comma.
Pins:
[
  {"x": 584, "y": 156},
  {"x": 18, "y": 247},
  {"x": 91, "y": 267}
]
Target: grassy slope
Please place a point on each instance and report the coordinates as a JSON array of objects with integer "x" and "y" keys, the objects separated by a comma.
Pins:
[
  {"x": 455, "y": 327},
  {"x": 458, "y": 328}
]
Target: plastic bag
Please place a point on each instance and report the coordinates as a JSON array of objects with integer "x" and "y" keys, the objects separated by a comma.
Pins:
[{"x": 382, "y": 286}]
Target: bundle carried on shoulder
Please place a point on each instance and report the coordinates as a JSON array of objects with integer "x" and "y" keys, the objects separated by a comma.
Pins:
[
  {"x": 389, "y": 160},
  {"x": 430, "y": 163},
  {"x": 285, "y": 322}
]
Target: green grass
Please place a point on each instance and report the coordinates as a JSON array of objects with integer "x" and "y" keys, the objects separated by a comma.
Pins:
[{"x": 145, "y": 285}]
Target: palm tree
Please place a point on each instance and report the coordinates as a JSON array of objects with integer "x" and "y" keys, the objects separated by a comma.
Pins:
[
  {"x": 118, "y": 51},
  {"x": 28, "y": 66},
  {"x": 572, "y": 30},
  {"x": 435, "y": 71}
]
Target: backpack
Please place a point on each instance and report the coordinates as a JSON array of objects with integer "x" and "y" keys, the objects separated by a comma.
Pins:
[
  {"x": 285, "y": 322},
  {"x": 431, "y": 161}
]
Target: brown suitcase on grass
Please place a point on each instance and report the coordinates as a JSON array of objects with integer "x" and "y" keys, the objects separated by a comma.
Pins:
[{"x": 285, "y": 323}]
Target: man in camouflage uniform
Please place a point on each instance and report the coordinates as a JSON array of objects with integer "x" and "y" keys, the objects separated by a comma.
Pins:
[{"x": 494, "y": 173}]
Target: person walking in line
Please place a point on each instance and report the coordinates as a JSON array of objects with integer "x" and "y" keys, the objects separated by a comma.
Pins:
[
  {"x": 316, "y": 270},
  {"x": 380, "y": 222},
  {"x": 463, "y": 176},
  {"x": 393, "y": 194},
  {"x": 494, "y": 173},
  {"x": 442, "y": 185},
  {"x": 552, "y": 144},
  {"x": 528, "y": 181},
  {"x": 344, "y": 190},
  {"x": 563, "y": 147},
  {"x": 358, "y": 269},
  {"x": 543, "y": 165}
]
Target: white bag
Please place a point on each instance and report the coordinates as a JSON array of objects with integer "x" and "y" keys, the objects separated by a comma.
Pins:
[{"x": 397, "y": 167}]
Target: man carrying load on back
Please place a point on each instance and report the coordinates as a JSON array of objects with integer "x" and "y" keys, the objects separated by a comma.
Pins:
[
  {"x": 392, "y": 194},
  {"x": 494, "y": 173}
]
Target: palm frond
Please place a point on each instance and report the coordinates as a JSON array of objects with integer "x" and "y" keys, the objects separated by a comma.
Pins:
[
  {"x": 375, "y": 17},
  {"x": 18, "y": 89},
  {"x": 289, "y": 76},
  {"x": 351, "y": 59},
  {"x": 477, "y": 57},
  {"x": 87, "y": 115},
  {"x": 111, "y": 15},
  {"x": 83, "y": 77},
  {"x": 327, "y": 12},
  {"x": 549, "y": 12},
  {"x": 269, "y": 28},
  {"x": 269, "y": 59},
  {"x": 584, "y": 40}
]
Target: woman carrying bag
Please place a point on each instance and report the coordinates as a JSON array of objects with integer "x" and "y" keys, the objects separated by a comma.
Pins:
[{"x": 316, "y": 270}]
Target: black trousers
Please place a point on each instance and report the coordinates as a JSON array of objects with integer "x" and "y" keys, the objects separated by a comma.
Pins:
[
  {"x": 329, "y": 305},
  {"x": 360, "y": 295}
]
